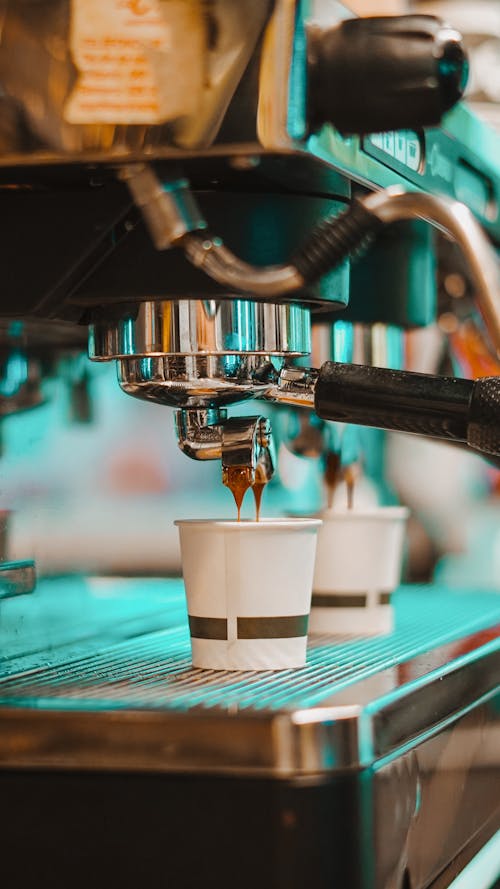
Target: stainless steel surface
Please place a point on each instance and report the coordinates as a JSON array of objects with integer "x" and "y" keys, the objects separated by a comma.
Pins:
[
  {"x": 199, "y": 433},
  {"x": 295, "y": 387},
  {"x": 197, "y": 382},
  {"x": 389, "y": 746},
  {"x": 435, "y": 806},
  {"x": 201, "y": 356},
  {"x": 136, "y": 703},
  {"x": 455, "y": 218},
  {"x": 205, "y": 328},
  {"x": 168, "y": 208},
  {"x": 238, "y": 441},
  {"x": 17, "y": 578},
  {"x": 211, "y": 256},
  {"x": 247, "y": 441}
]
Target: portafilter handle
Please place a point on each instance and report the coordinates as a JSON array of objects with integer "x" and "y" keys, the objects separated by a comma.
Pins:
[{"x": 441, "y": 407}]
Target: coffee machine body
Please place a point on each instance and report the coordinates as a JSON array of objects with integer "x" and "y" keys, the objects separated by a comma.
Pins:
[{"x": 162, "y": 166}]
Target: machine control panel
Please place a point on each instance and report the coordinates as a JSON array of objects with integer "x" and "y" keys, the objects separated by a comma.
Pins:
[{"x": 424, "y": 158}]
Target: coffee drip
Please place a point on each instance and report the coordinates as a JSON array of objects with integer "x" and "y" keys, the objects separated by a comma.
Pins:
[
  {"x": 332, "y": 475},
  {"x": 335, "y": 473},
  {"x": 239, "y": 479},
  {"x": 258, "y": 489},
  {"x": 351, "y": 474}
]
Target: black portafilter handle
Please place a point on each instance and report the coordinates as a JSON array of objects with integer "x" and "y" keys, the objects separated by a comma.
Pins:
[{"x": 441, "y": 407}]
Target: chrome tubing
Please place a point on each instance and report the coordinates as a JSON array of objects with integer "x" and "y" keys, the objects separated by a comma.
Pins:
[
  {"x": 172, "y": 217},
  {"x": 454, "y": 218}
]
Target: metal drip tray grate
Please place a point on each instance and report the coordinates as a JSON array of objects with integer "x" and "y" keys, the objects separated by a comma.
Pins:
[{"x": 151, "y": 670}]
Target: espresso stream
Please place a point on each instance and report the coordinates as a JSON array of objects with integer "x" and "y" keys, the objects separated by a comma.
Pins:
[
  {"x": 239, "y": 479},
  {"x": 258, "y": 488},
  {"x": 334, "y": 473}
]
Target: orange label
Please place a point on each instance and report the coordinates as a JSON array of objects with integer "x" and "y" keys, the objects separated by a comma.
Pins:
[{"x": 138, "y": 61}]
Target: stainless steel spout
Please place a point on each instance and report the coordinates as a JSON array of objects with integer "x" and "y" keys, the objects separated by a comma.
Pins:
[
  {"x": 237, "y": 441},
  {"x": 247, "y": 441},
  {"x": 202, "y": 356},
  {"x": 199, "y": 433}
]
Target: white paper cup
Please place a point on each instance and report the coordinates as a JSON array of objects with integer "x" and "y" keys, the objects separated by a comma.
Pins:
[
  {"x": 248, "y": 588},
  {"x": 358, "y": 567}
]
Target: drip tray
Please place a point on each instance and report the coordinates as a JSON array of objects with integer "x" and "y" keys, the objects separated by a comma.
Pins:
[{"x": 112, "y": 685}]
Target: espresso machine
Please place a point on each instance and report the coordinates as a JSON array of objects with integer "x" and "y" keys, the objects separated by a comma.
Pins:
[{"x": 193, "y": 184}]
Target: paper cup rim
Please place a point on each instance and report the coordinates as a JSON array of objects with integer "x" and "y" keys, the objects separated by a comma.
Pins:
[
  {"x": 273, "y": 524},
  {"x": 382, "y": 513}
]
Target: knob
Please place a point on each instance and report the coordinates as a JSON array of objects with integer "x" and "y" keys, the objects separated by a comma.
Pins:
[{"x": 385, "y": 73}]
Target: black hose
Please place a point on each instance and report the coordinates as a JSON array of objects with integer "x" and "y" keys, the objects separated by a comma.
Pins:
[{"x": 335, "y": 239}]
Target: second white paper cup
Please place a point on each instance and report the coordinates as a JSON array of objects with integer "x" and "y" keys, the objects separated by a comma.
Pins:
[
  {"x": 358, "y": 566},
  {"x": 248, "y": 588}
]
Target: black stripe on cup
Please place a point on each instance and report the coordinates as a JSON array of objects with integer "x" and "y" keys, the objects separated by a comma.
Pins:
[
  {"x": 288, "y": 627},
  {"x": 347, "y": 600},
  {"x": 208, "y": 627}
]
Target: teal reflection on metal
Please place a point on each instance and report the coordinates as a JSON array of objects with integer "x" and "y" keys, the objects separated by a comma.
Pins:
[
  {"x": 110, "y": 644},
  {"x": 146, "y": 365},
  {"x": 343, "y": 341},
  {"x": 297, "y": 86},
  {"x": 15, "y": 374},
  {"x": 395, "y": 347},
  {"x": 127, "y": 335},
  {"x": 231, "y": 365},
  {"x": 483, "y": 871},
  {"x": 15, "y": 329}
]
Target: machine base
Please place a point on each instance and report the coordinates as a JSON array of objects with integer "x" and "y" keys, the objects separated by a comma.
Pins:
[{"x": 376, "y": 766}]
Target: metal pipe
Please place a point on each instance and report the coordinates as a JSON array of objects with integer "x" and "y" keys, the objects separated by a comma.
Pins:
[
  {"x": 295, "y": 387},
  {"x": 218, "y": 262},
  {"x": 395, "y": 205},
  {"x": 172, "y": 217}
]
